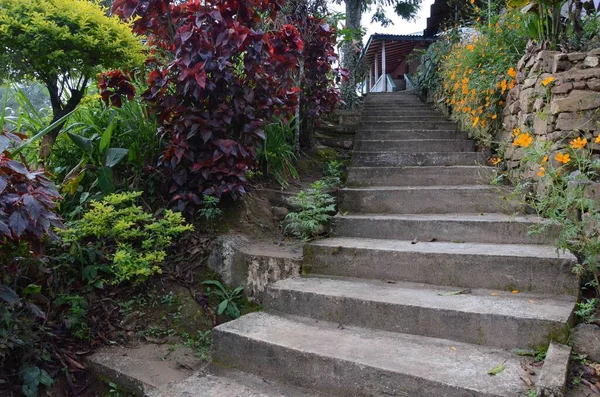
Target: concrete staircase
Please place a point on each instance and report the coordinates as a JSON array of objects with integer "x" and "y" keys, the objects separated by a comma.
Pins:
[{"x": 416, "y": 294}]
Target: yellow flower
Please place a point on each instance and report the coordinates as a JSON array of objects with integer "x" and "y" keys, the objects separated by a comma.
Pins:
[
  {"x": 597, "y": 139},
  {"x": 516, "y": 131},
  {"x": 562, "y": 158},
  {"x": 495, "y": 160},
  {"x": 547, "y": 81},
  {"x": 475, "y": 121},
  {"x": 494, "y": 117},
  {"x": 545, "y": 160},
  {"x": 541, "y": 172},
  {"x": 512, "y": 73},
  {"x": 578, "y": 143},
  {"x": 523, "y": 140}
]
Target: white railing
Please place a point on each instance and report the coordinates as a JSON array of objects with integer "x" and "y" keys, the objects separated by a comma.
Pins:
[{"x": 380, "y": 85}]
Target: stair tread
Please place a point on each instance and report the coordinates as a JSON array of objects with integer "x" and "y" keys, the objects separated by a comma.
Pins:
[
  {"x": 460, "y": 365},
  {"x": 480, "y": 217},
  {"x": 480, "y": 301},
  {"x": 430, "y": 187},
  {"x": 448, "y": 248}
]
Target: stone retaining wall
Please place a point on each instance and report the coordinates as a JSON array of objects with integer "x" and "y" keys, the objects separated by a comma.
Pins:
[{"x": 567, "y": 107}]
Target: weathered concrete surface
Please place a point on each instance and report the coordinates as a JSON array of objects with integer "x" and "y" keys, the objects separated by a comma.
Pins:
[
  {"x": 586, "y": 340},
  {"x": 504, "y": 320},
  {"x": 253, "y": 264},
  {"x": 399, "y": 159},
  {"x": 222, "y": 382},
  {"x": 145, "y": 368},
  {"x": 408, "y": 125},
  {"x": 419, "y": 176},
  {"x": 348, "y": 361},
  {"x": 415, "y": 133},
  {"x": 478, "y": 228},
  {"x": 534, "y": 268},
  {"x": 409, "y": 146},
  {"x": 426, "y": 200},
  {"x": 553, "y": 376}
]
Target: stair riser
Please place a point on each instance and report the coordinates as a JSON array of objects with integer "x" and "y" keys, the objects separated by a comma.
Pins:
[
  {"x": 400, "y": 159},
  {"x": 541, "y": 275},
  {"x": 482, "y": 329},
  {"x": 430, "y": 201},
  {"x": 504, "y": 232},
  {"x": 408, "y": 125},
  {"x": 380, "y": 176},
  {"x": 415, "y": 146},
  {"x": 323, "y": 373},
  {"x": 411, "y": 134}
]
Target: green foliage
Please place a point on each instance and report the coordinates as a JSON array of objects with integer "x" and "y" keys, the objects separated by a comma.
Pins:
[
  {"x": 32, "y": 377},
  {"x": 210, "y": 208},
  {"x": 229, "y": 299},
  {"x": 587, "y": 310},
  {"x": 334, "y": 174},
  {"x": 314, "y": 209},
  {"x": 200, "y": 343},
  {"x": 119, "y": 238},
  {"x": 562, "y": 198},
  {"x": 75, "y": 317},
  {"x": 469, "y": 72},
  {"x": 76, "y": 37},
  {"x": 276, "y": 157}
]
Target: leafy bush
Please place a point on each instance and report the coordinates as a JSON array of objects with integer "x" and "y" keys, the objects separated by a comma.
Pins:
[
  {"x": 334, "y": 174},
  {"x": 120, "y": 239},
  {"x": 210, "y": 208},
  {"x": 225, "y": 79},
  {"x": 315, "y": 208},
  {"x": 27, "y": 200},
  {"x": 77, "y": 37},
  {"x": 564, "y": 178},
  {"x": 476, "y": 70},
  {"x": 228, "y": 299},
  {"x": 276, "y": 157}
]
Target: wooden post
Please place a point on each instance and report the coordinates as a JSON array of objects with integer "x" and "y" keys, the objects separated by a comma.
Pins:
[{"x": 383, "y": 73}]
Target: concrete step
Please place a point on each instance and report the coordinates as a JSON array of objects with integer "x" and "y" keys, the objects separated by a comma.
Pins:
[
  {"x": 419, "y": 176},
  {"x": 226, "y": 382},
  {"x": 411, "y": 134},
  {"x": 403, "y": 118},
  {"x": 504, "y": 320},
  {"x": 410, "y": 146},
  {"x": 407, "y": 125},
  {"x": 427, "y": 200},
  {"x": 476, "y": 228},
  {"x": 403, "y": 159},
  {"x": 350, "y": 361},
  {"x": 531, "y": 268}
]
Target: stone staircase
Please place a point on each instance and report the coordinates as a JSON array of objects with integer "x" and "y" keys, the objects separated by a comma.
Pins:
[{"x": 416, "y": 293}]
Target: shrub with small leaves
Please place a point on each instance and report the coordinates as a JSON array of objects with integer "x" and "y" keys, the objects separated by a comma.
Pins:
[
  {"x": 315, "y": 208},
  {"x": 130, "y": 243}
]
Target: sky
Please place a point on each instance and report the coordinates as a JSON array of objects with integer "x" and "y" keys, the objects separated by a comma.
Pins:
[{"x": 399, "y": 27}]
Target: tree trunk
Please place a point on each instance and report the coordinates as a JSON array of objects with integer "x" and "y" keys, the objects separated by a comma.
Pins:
[
  {"x": 59, "y": 110},
  {"x": 350, "y": 57}
]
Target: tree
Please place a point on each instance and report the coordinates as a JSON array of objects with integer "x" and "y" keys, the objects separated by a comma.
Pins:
[
  {"x": 406, "y": 9},
  {"x": 62, "y": 44}
]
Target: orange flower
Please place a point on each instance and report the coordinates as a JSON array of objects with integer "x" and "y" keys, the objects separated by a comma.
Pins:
[
  {"x": 562, "y": 158},
  {"x": 476, "y": 121},
  {"x": 547, "y": 81},
  {"x": 545, "y": 160},
  {"x": 597, "y": 139},
  {"x": 541, "y": 172},
  {"x": 494, "y": 117},
  {"x": 495, "y": 160},
  {"x": 512, "y": 73},
  {"x": 523, "y": 140},
  {"x": 516, "y": 131},
  {"x": 470, "y": 47},
  {"x": 578, "y": 143}
]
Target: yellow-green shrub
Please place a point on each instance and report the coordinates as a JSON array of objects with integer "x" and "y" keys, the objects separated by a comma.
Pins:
[{"x": 129, "y": 242}]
